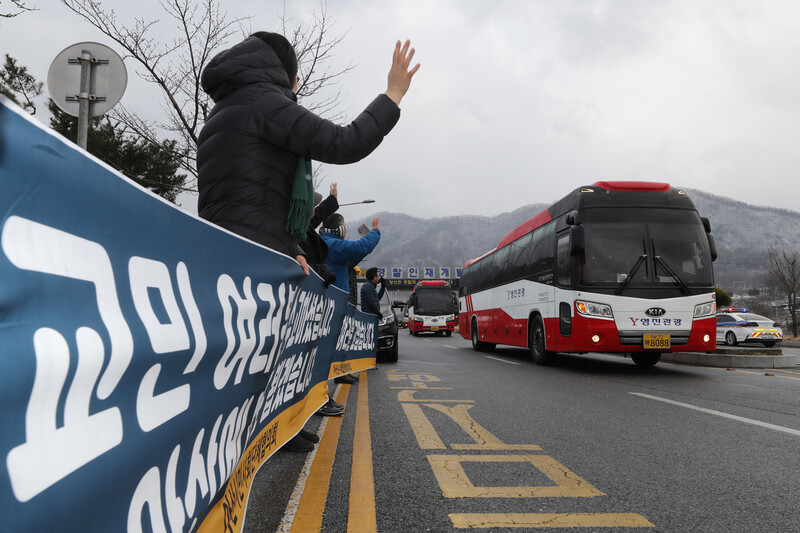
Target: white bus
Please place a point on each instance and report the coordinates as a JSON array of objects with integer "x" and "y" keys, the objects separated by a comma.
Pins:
[
  {"x": 431, "y": 307},
  {"x": 618, "y": 267}
]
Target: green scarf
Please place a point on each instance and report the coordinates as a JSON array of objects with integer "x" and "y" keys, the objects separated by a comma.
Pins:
[{"x": 301, "y": 204}]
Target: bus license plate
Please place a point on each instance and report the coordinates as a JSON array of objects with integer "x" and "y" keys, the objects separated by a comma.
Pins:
[
  {"x": 434, "y": 328},
  {"x": 656, "y": 341}
]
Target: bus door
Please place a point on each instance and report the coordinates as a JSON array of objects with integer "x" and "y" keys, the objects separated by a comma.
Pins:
[{"x": 560, "y": 331}]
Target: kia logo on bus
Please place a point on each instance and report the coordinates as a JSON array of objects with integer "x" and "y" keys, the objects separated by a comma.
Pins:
[{"x": 656, "y": 311}]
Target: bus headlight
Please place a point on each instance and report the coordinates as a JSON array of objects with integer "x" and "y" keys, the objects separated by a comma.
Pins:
[
  {"x": 706, "y": 309},
  {"x": 593, "y": 309}
]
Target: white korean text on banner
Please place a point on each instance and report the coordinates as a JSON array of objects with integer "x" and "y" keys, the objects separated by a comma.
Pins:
[{"x": 151, "y": 361}]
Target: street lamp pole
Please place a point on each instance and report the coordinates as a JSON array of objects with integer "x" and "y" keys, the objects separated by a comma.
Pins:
[{"x": 361, "y": 202}]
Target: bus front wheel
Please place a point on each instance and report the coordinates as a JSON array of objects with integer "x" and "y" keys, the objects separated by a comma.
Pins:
[{"x": 539, "y": 353}]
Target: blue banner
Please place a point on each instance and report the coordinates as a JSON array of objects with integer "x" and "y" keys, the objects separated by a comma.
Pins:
[{"x": 151, "y": 362}]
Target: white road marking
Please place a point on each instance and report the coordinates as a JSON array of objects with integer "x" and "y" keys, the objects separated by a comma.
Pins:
[
  {"x": 502, "y": 360},
  {"x": 453, "y": 347},
  {"x": 790, "y": 431}
]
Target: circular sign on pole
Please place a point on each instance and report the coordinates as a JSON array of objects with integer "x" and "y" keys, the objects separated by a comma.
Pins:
[{"x": 103, "y": 71}]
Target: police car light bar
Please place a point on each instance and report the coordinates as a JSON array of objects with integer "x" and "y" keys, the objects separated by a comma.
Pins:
[{"x": 733, "y": 310}]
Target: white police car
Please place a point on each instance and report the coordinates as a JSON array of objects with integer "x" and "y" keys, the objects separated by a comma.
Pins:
[{"x": 735, "y": 325}]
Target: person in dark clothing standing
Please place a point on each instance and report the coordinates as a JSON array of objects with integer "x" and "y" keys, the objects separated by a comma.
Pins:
[
  {"x": 370, "y": 295},
  {"x": 314, "y": 247},
  {"x": 257, "y": 136},
  {"x": 352, "y": 278},
  {"x": 316, "y": 253}
]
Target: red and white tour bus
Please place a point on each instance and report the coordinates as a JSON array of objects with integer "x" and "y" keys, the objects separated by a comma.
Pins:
[
  {"x": 617, "y": 267},
  {"x": 431, "y": 307}
]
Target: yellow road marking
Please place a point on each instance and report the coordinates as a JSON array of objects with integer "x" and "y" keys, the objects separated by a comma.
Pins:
[
  {"x": 484, "y": 439},
  {"x": 542, "y": 520},
  {"x": 455, "y": 483},
  {"x": 312, "y": 504},
  {"x": 427, "y": 438},
  {"x": 422, "y": 377},
  {"x": 420, "y": 385},
  {"x": 411, "y": 377},
  {"x": 407, "y": 395},
  {"x": 361, "y": 515},
  {"x": 787, "y": 371}
]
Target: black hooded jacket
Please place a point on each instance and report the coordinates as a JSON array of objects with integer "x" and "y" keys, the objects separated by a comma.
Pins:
[
  {"x": 248, "y": 149},
  {"x": 314, "y": 247}
]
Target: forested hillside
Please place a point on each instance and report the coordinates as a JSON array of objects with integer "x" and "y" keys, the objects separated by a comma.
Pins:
[{"x": 742, "y": 232}]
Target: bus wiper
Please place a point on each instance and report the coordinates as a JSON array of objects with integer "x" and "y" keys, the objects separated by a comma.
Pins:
[
  {"x": 678, "y": 281},
  {"x": 627, "y": 281}
]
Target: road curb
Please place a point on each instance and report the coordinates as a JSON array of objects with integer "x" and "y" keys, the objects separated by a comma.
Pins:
[{"x": 731, "y": 360}]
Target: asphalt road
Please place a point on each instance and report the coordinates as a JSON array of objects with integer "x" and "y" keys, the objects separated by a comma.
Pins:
[{"x": 490, "y": 440}]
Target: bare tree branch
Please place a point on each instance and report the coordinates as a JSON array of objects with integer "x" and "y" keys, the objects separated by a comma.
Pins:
[
  {"x": 175, "y": 64},
  {"x": 314, "y": 46},
  {"x": 785, "y": 266},
  {"x": 19, "y": 8}
]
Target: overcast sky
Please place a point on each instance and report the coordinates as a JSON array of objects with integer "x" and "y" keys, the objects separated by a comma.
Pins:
[{"x": 522, "y": 101}]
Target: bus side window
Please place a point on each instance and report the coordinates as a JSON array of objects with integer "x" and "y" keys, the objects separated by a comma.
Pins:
[
  {"x": 464, "y": 283},
  {"x": 543, "y": 243},
  {"x": 519, "y": 256},
  {"x": 562, "y": 260},
  {"x": 501, "y": 270},
  {"x": 480, "y": 280}
]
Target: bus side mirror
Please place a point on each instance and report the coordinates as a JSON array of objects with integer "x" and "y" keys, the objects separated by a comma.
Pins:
[
  {"x": 573, "y": 218},
  {"x": 706, "y": 224},
  {"x": 712, "y": 246},
  {"x": 577, "y": 246}
]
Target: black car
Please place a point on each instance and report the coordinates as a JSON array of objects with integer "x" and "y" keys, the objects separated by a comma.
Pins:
[{"x": 388, "y": 327}]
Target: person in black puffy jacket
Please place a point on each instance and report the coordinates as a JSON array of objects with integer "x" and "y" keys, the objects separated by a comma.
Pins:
[{"x": 249, "y": 147}]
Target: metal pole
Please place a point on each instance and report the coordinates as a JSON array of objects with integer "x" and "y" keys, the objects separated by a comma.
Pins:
[
  {"x": 361, "y": 202},
  {"x": 83, "y": 104}
]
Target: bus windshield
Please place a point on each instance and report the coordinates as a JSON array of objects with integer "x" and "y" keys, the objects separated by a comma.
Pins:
[
  {"x": 673, "y": 241},
  {"x": 433, "y": 302}
]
